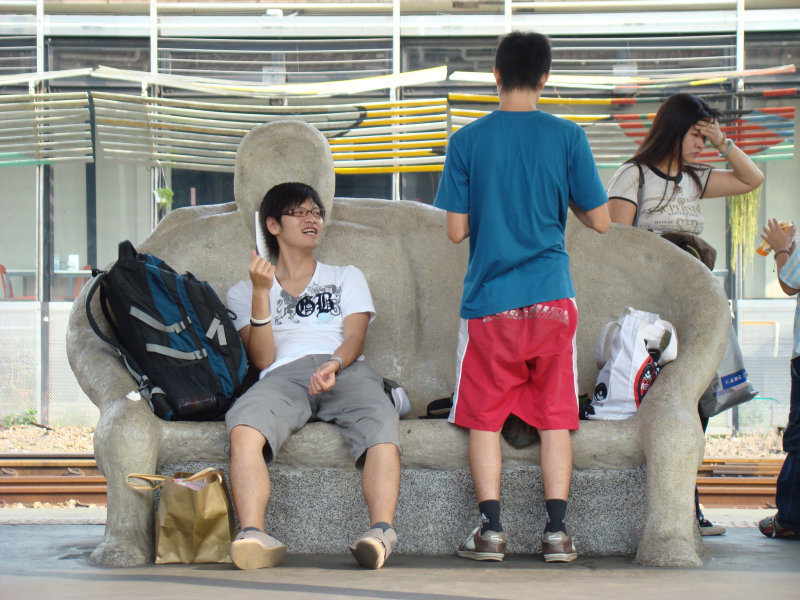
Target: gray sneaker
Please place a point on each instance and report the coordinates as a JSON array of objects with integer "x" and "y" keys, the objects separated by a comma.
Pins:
[
  {"x": 373, "y": 548},
  {"x": 256, "y": 550},
  {"x": 558, "y": 547},
  {"x": 489, "y": 545}
]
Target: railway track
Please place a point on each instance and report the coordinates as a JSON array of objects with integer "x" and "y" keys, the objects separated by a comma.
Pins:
[
  {"x": 50, "y": 478},
  {"x": 738, "y": 482},
  {"x": 59, "y": 478}
]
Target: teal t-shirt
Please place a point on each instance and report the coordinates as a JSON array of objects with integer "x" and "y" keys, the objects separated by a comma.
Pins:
[{"x": 515, "y": 173}]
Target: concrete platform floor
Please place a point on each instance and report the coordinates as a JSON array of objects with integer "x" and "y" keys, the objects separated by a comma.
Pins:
[{"x": 45, "y": 556}]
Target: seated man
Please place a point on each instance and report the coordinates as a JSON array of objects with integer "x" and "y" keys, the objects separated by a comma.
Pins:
[{"x": 303, "y": 325}]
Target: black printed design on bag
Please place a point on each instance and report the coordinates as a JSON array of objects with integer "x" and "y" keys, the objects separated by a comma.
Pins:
[
  {"x": 600, "y": 392},
  {"x": 319, "y": 302}
]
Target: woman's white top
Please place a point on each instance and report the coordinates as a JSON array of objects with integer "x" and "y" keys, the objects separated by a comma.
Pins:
[{"x": 668, "y": 203}]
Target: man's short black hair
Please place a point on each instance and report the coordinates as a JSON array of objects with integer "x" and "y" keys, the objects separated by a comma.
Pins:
[
  {"x": 280, "y": 198},
  {"x": 522, "y": 59}
]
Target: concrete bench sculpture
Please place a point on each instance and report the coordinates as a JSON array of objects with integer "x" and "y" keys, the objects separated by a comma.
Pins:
[{"x": 632, "y": 487}]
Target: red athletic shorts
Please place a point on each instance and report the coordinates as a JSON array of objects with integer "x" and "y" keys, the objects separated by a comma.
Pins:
[{"x": 522, "y": 362}]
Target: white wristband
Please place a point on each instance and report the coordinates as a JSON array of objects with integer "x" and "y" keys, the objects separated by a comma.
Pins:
[{"x": 260, "y": 322}]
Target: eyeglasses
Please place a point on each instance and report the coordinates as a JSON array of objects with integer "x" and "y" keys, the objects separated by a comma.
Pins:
[{"x": 303, "y": 212}]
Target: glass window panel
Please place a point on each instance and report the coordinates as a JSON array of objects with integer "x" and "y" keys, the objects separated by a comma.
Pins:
[
  {"x": 69, "y": 228},
  {"x": 79, "y": 53},
  {"x": 364, "y": 186},
  {"x": 124, "y": 201},
  {"x": 276, "y": 60},
  {"x": 420, "y": 187},
  {"x": 18, "y": 231},
  {"x": 197, "y": 188}
]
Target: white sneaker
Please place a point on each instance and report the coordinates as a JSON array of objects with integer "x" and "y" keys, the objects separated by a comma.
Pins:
[
  {"x": 709, "y": 528},
  {"x": 401, "y": 401},
  {"x": 398, "y": 396},
  {"x": 256, "y": 550}
]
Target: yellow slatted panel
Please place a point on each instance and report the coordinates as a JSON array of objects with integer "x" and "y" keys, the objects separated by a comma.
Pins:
[{"x": 398, "y": 136}]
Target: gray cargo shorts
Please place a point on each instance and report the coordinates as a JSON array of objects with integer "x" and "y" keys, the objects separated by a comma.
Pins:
[{"x": 279, "y": 404}]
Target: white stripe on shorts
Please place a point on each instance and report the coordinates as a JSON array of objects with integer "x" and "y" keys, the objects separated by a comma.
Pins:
[{"x": 461, "y": 351}]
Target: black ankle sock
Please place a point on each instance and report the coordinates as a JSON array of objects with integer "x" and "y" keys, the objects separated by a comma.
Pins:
[
  {"x": 556, "y": 511},
  {"x": 697, "y": 511},
  {"x": 382, "y": 525},
  {"x": 490, "y": 515}
]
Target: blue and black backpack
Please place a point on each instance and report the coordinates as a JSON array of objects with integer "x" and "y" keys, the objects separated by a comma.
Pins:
[{"x": 174, "y": 335}]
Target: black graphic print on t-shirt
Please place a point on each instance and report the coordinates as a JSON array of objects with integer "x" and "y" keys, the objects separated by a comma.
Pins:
[{"x": 320, "y": 301}]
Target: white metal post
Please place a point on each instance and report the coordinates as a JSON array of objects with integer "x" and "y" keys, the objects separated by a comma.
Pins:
[
  {"x": 737, "y": 288},
  {"x": 43, "y": 329},
  {"x": 395, "y": 71},
  {"x": 40, "y": 36},
  {"x": 153, "y": 36},
  {"x": 154, "y": 70}
]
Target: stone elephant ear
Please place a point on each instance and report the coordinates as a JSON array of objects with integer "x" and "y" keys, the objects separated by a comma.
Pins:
[{"x": 280, "y": 152}]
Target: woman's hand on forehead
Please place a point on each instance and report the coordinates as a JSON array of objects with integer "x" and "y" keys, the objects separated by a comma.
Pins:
[{"x": 710, "y": 130}]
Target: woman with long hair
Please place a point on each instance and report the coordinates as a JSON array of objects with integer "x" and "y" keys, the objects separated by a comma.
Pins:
[
  {"x": 660, "y": 187},
  {"x": 673, "y": 179}
]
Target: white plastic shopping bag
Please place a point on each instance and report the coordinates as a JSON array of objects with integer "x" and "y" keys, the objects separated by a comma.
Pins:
[{"x": 629, "y": 354}]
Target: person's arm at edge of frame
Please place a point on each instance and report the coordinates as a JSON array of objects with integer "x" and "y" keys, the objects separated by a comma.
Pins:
[
  {"x": 259, "y": 342},
  {"x": 780, "y": 240},
  {"x": 596, "y": 218},
  {"x": 457, "y": 226},
  {"x": 352, "y": 346}
]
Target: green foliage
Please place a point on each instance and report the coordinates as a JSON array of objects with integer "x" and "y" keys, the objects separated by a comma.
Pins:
[
  {"x": 743, "y": 226},
  {"x": 29, "y": 417},
  {"x": 165, "y": 196}
]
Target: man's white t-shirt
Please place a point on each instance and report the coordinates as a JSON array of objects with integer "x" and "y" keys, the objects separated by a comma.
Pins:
[
  {"x": 668, "y": 203},
  {"x": 312, "y": 323}
]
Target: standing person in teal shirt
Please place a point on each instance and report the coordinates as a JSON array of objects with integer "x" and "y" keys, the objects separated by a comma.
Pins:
[{"x": 508, "y": 182}]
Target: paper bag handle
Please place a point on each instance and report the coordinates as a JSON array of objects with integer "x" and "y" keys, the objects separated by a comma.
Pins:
[
  {"x": 153, "y": 481},
  {"x": 202, "y": 474},
  {"x": 156, "y": 481}
]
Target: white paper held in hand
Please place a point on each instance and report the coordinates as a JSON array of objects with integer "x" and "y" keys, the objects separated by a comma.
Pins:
[{"x": 261, "y": 241}]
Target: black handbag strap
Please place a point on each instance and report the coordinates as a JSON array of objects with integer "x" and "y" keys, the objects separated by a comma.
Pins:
[
  {"x": 438, "y": 409},
  {"x": 639, "y": 195}
]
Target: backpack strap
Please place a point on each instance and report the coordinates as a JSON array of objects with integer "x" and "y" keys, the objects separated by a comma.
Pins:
[{"x": 145, "y": 386}]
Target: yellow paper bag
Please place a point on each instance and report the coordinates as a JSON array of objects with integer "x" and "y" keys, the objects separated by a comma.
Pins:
[{"x": 194, "y": 521}]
